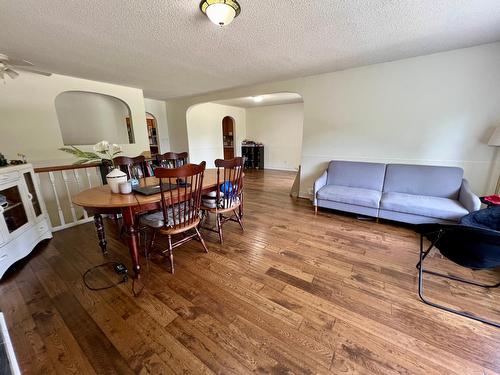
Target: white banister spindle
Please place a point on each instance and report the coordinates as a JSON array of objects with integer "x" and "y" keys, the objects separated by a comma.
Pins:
[
  {"x": 61, "y": 194},
  {"x": 77, "y": 179},
  {"x": 68, "y": 193},
  {"x": 87, "y": 172},
  {"x": 59, "y": 208},
  {"x": 98, "y": 171}
]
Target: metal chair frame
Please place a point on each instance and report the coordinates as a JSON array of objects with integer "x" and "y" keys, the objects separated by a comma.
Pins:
[{"x": 420, "y": 266}]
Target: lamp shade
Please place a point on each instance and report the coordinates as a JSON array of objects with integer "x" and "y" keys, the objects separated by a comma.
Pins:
[
  {"x": 495, "y": 137},
  {"x": 220, "y": 12}
]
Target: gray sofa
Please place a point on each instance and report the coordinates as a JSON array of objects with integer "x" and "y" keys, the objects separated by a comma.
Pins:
[{"x": 407, "y": 193}]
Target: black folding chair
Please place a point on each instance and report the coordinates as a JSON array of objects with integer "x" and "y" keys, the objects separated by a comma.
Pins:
[{"x": 474, "y": 247}]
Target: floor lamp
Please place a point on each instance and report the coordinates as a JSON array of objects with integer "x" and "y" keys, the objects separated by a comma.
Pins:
[{"x": 495, "y": 141}]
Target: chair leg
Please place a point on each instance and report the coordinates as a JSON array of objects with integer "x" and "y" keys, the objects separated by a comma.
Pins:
[
  {"x": 239, "y": 220},
  {"x": 315, "y": 210},
  {"x": 171, "y": 253},
  {"x": 219, "y": 228},
  {"x": 426, "y": 252},
  {"x": 201, "y": 239},
  {"x": 421, "y": 272},
  {"x": 151, "y": 243}
]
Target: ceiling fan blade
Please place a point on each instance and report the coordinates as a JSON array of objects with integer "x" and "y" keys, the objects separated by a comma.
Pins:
[
  {"x": 11, "y": 73},
  {"x": 35, "y": 71},
  {"x": 18, "y": 62}
]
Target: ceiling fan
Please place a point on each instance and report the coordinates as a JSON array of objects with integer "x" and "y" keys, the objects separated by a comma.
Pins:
[{"x": 7, "y": 66}]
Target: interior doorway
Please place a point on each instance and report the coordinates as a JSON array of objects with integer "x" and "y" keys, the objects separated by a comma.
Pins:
[
  {"x": 228, "y": 137},
  {"x": 154, "y": 141}
]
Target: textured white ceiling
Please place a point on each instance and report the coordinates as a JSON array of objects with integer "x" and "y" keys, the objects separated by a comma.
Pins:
[
  {"x": 170, "y": 49},
  {"x": 268, "y": 99}
]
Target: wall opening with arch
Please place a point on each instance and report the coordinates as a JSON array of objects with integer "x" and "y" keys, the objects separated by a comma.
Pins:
[
  {"x": 274, "y": 119},
  {"x": 204, "y": 128},
  {"x": 86, "y": 118}
]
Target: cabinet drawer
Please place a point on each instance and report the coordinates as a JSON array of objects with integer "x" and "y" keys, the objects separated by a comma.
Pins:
[
  {"x": 42, "y": 227},
  {"x": 8, "y": 177},
  {"x": 4, "y": 257}
]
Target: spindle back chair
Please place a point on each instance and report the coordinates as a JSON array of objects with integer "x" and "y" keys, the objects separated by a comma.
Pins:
[
  {"x": 131, "y": 166},
  {"x": 228, "y": 196},
  {"x": 180, "y": 190},
  {"x": 172, "y": 159}
]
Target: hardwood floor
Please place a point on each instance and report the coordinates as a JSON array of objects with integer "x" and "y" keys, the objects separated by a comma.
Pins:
[{"x": 294, "y": 293}]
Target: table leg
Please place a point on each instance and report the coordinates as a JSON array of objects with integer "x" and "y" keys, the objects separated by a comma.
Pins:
[
  {"x": 99, "y": 227},
  {"x": 133, "y": 245},
  {"x": 241, "y": 205}
]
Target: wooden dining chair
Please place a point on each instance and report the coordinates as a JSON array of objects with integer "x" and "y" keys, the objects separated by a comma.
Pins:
[
  {"x": 172, "y": 159},
  {"x": 226, "y": 201},
  {"x": 131, "y": 166},
  {"x": 180, "y": 190}
]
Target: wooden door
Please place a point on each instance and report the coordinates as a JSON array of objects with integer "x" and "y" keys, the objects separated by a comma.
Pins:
[{"x": 228, "y": 137}]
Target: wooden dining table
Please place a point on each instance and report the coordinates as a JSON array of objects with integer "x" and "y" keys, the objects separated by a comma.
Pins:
[{"x": 100, "y": 200}]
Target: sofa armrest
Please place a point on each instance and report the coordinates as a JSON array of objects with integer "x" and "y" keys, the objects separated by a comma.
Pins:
[
  {"x": 318, "y": 184},
  {"x": 467, "y": 197}
]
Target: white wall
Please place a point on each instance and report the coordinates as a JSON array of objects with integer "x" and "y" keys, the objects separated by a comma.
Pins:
[
  {"x": 279, "y": 128},
  {"x": 438, "y": 109},
  {"x": 204, "y": 128},
  {"x": 159, "y": 110},
  {"x": 29, "y": 123},
  {"x": 87, "y": 118}
]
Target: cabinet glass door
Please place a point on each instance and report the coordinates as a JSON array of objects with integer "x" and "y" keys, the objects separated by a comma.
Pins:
[
  {"x": 33, "y": 195},
  {"x": 13, "y": 208}
]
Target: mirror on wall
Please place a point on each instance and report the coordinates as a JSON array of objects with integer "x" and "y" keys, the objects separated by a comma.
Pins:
[{"x": 86, "y": 118}]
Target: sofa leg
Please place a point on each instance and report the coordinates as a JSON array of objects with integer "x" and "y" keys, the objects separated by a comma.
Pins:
[{"x": 315, "y": 210}]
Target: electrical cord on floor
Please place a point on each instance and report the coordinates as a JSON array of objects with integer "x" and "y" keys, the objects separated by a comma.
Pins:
[{"x": 119, "y": 269}]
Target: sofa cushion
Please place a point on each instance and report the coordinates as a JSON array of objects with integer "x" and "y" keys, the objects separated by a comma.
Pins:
[
  {"x": 356, "y": 174},
  {"x": 434, "y": 181},
  {"x": 350, "y": 195},
  {"x": 436, "y": 207}
]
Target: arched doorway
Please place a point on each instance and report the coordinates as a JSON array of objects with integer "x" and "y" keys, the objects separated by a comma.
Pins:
[{"x": 228, "y": 137}]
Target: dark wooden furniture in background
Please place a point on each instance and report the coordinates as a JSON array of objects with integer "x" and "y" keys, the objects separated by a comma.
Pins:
[
  {"x": 154, "y": 142},
  {"x": 253, "y": 156},
  {"x": 228, "y": 201},
  {"x": 179, "y": 207},
  {"x": 228, "y": 137},
  {"x": 130, "y": 130},
  {"x": 172, "y": 159}
]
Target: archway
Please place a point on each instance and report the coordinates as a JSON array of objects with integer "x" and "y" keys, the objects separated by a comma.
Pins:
[{"x": 87, "y": 117}]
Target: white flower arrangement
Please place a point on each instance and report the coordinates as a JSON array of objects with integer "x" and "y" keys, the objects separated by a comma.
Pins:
[{"x": 103, "y": 151}]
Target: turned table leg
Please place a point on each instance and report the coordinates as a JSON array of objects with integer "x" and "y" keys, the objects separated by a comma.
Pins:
[
  {"x": 99, "y": 227},
  {"x": 133, "y": 243}
]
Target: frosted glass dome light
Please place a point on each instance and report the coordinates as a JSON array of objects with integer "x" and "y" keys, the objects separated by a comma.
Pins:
[{"x": 220, "y": 12}]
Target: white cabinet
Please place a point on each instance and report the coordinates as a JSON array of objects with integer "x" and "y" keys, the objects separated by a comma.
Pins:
[{"x": 23, "y": 218}]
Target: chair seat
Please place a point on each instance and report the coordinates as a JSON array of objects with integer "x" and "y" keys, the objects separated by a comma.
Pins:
[
  {"x": 156, "y": 220},
  {"x": 435, "y": 207},
  {"x": 220, "y": 207},
  {"x": 350, "y": 195}
]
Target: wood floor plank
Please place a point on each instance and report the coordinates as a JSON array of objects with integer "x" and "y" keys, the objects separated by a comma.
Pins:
[{"x": 293, "y": 293}]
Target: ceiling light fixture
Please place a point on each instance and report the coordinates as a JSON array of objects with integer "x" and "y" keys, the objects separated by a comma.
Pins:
[
  {"x": 257, "y": 99},
  {"x": 221, "y": 12}
]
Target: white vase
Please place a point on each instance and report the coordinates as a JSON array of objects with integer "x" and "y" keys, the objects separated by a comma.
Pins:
[{"x": 114, "y": 179}]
